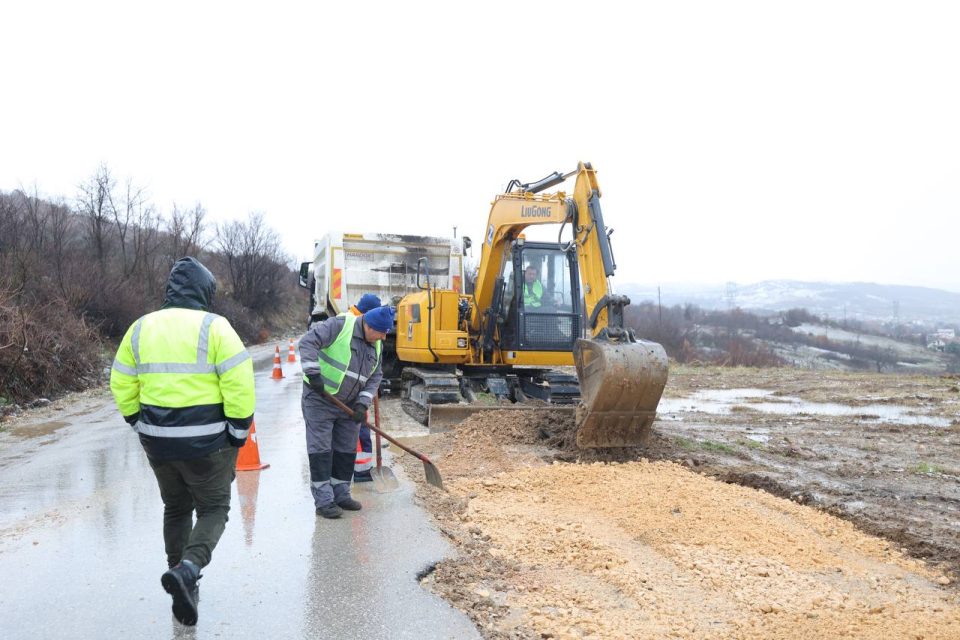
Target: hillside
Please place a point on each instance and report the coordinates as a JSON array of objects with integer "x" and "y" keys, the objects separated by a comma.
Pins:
[{"x": 836, "y": 300}]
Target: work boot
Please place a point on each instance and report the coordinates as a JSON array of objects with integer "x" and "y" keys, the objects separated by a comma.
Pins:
[
  {"x": 330, "y": 511},
  {"x": 181, "y": 583},
  {"x": 349, "y": 504},
  {"x": 362, "y": 476},
  {"x": 196, "y": 587}
]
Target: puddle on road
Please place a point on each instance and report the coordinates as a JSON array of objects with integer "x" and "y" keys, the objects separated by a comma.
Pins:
[
  {"x": 726, "y": 401},
  {"x": 37, "y": 430}
]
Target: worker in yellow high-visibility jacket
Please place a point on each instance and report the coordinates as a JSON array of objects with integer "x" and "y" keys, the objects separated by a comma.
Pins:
[{"x": 184, "y": 381}]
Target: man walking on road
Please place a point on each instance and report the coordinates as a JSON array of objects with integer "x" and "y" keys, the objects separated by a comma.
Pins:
[
  {"x": 184, "y": 381},
  {"x": 341, "y": 357}
]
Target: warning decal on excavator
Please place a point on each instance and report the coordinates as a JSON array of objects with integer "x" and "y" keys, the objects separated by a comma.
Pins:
[{"x": 490, "y": 235}]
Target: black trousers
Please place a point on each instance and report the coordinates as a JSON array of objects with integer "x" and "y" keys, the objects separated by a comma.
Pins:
[{"x": 201, "y": 485}]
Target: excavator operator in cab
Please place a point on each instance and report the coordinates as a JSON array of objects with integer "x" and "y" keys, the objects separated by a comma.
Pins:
[{"x": 532, "y": 289}]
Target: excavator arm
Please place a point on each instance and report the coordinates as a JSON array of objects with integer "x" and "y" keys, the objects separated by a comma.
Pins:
[{"x": 621, "y": 378}]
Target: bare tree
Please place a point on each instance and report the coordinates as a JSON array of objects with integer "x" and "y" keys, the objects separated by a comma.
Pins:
[
  {"x": 61, "y": 241},
  {"x": 186, "y": 229},
  {"x": 254, "y": 260},
  {"x": 147, "y": 240},
  {"x": 94, "y": 204},
  {"x": 129, "y": 212}
]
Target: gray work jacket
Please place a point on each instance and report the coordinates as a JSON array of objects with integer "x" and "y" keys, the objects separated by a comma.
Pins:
[{"x": 365, "y": 370}]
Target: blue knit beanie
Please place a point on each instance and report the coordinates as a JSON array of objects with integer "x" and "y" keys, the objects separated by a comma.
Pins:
[
  {"x": 367, "y": 302},
  {"x": 379, "y": 319}
]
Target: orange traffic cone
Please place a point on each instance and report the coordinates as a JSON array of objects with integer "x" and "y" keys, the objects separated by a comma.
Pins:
[
  {"x": 292, "y": 356},
  {"x": 249, "y": 457},
  {"x": 277, "y": 371}
]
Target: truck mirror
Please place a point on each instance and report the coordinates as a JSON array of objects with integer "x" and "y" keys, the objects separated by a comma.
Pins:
[
  {"x": 305, "y": 274},
  {"x": 467, "y": 243}
]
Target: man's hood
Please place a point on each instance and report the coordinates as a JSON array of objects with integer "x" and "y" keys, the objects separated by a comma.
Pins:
[{"x": 190, "y": 286}]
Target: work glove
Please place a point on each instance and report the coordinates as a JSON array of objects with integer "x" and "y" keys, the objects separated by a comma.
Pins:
[
  {"x": 132, "y": 419},
  {"x": 359, "y": 412},
  {"x": 316, "y": 382}
]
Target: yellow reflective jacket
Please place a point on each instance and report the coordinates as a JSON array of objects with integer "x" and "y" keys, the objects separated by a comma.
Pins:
[{"x": 183, "y": 379}]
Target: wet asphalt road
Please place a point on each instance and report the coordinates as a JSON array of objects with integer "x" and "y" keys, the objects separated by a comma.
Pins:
[{"x": 81, "y": 546}]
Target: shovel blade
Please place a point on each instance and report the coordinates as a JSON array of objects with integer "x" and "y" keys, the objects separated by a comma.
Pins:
[
  {"x": 383, "y": 480},
  {"x": 433, "y": 475}
]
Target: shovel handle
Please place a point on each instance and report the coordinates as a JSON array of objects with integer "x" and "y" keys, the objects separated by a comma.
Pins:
[
  {"x": 390, "y": 439},
  {"x": 376, "y": 420}
]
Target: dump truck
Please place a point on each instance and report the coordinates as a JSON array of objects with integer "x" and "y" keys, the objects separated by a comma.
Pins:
[{"x": 347, "y": 265}]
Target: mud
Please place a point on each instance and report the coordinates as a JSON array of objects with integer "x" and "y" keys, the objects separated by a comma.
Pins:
[
  {"x": 561, "y": 543},
  {"x": 897, "y": 480}
]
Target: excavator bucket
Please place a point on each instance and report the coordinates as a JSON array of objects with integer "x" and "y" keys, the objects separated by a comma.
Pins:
[{"x": 620, "y": 387}]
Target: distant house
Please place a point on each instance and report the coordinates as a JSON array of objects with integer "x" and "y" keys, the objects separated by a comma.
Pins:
[{"x": 939, "y": 340}]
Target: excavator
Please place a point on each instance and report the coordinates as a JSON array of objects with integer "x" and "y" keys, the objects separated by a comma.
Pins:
[{"x": 537, "y": 310}]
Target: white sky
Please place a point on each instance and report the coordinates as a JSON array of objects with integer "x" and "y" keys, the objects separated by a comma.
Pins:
[{"x": 734, "y": 141}]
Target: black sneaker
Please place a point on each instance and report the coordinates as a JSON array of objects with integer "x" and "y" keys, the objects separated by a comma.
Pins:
[
  {"x": 181, "y": 583},
  {"x": 349, "y": 504},
  {"x": 330, "y": 511}
]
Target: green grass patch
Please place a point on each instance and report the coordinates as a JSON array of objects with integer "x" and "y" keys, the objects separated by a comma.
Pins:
[
  {"x": 688, "y": 444},
  {"x": 485, "y": 398},
  {"x": 750, "y": 444},
  {"x": 719, "y": 447},
  {"x": 926, "y": 467}
]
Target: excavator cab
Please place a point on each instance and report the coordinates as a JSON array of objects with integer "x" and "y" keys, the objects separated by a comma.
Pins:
[{"x": 541, "y": 308}]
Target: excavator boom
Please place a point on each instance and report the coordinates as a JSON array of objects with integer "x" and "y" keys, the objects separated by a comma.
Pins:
[
  {"x": 526, "y": 316},
  {"x": 621, "y": 378}
]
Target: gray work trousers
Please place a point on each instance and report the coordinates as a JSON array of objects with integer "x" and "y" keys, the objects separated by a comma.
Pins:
[{"x": 331, "y": 447}]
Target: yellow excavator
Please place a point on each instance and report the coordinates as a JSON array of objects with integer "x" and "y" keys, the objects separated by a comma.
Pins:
[{"x": 535, "y": 306}]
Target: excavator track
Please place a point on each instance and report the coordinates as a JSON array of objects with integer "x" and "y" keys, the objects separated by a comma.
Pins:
[{"x": 441, "y": 399}]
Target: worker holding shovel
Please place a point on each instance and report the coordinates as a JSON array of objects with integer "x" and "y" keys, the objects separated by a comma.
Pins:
[
  {"x": 341, "y": 357},
  {"x": 361, "y": 469}
]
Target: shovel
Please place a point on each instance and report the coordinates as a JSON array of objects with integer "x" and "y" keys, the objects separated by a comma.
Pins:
[
  {"x": 429, "y": 469},
  {"x": 383, "y": 479}
]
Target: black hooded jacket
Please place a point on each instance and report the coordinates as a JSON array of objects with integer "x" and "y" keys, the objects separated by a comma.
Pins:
[{"x": 191, "y": 286}]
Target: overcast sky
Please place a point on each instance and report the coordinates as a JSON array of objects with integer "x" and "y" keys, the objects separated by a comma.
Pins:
[{"x": 733, "y": 141}]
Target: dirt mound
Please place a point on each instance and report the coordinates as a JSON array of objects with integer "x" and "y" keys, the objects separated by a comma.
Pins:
[
  {"x": 546, "y": 428},
  {"x": 536, "y": 426},
  {"x": 651, "y": 549}
]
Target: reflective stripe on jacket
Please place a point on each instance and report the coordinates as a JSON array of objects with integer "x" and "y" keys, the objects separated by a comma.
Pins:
[
  {"x": 355, "y": 373},
  {"x": 334, "y": 360},
  {"x": 186, "y": 376},
  {"x": 532, "y": 294},
  {"x": 364, "y": 460}
]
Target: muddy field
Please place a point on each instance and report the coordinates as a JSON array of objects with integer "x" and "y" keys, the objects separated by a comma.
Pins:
[{"x": 768, "y": 504}]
